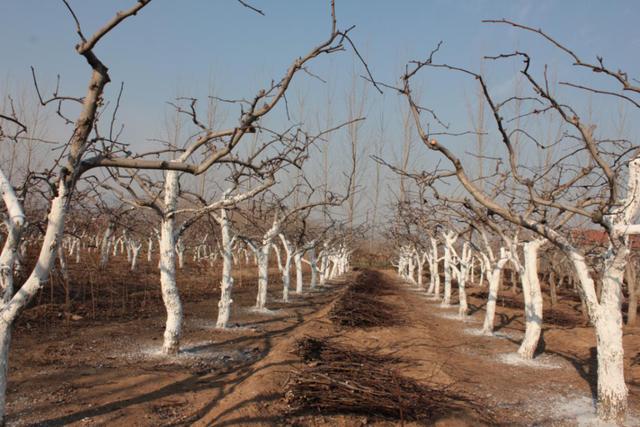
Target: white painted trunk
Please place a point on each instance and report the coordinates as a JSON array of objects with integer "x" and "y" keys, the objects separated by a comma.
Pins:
[
  {"x": 313, "y": 263},
  {"x": 77, "y": 252},
  {"x": 297, "y": 258},
  {"x": 607, "y": 319},
  {"x": 324, "y": 267},
  {"x": 5, "y": 342},
  {"x": 446, "y": 300},
  {"x": 532, "y": 300},
  {"x": 128, "y": 246},
  {"x": 286, "y": 278},
  {"x": 135, "y": 251},
  {"x": 226, "y": 284},
  {"x": 411, "y": 269},
  {"x": 263, "y": 275},
  {"x": 286, "y": 267},
  {"x": 494, "y": 284},
  {"x": 169, "y": 288},
  {"x": 180, "y": 251},
  {"x": 106, "y": 244},
  {"x": 40, "y": 274}
]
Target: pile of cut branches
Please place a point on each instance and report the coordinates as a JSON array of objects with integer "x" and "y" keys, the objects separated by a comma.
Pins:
[
  {"x": 340, "y": 380},
  {"x": 360, "y": 306},
  {"x": 312, "y": 350}
]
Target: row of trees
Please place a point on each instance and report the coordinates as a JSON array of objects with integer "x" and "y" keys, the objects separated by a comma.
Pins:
[
  {"x": 564, "y": 189},
  {"x": 255, "y": 193}
]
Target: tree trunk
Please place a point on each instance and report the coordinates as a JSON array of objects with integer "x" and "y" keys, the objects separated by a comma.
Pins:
[
  {"x": 446, "y": 300},
  {"x": 313, "y": 262},
  {"x": 532, "y": 300},
  {"x": 14, "y": 304},
  {"x": 134, "y": 257},
  {"x": 106, "y": 243},
  {"x": 420, "y": 273},
  {"x": 612, "y": 389},
  {"x": 263, "y": 275},
  {"x": 226, "y": 284},
  {"x": 494, "y": 285},
  {"x": 286, "y": 278},
  {"x": 297, "y": 258},
  {"x": 170, "y": 295},
  {"x": 462, "y": 293},
  {"x": 5, "y": 342},
  {"x": 607, "y": 319}
]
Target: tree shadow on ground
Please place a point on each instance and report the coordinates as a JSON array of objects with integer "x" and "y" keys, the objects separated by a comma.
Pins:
[
  {"x": 587, "y": 368},
  {"x": 219, "y": 382},
  {"x": 504, "y": 321}
]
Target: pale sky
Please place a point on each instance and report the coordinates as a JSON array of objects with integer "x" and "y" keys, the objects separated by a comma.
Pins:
[{"x": 186, "y": 47}]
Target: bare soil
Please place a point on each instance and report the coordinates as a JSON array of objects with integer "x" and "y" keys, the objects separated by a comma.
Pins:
[{"x": 105, "y": 370}]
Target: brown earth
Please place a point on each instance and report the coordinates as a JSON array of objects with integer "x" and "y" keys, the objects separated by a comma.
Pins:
[{"x": 108, "y": 372}]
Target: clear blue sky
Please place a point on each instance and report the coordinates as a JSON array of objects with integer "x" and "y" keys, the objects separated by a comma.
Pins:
[{"x": 182, "y": 47}]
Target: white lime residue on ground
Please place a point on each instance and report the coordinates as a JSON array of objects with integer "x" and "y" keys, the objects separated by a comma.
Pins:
[
  {"x": 190, "y": 353},
  {"x": 543, "y": 361},
  {"x": 498, "y": 334},
  {"x": 456, "y": 316},
  {"x": 263, "y": 311},
  {"x": 573, "y": 411}
]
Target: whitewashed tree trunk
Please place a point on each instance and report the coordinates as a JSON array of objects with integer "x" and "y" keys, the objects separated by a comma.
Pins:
[
  {"x": 432, "y": 275},
  {"x": 494, "y": 285},
  {"x": 450, "y": 239},
  {"x": 169, "y": 288},
  {"x": 127, "y": 244},
  {"x": 434, "y": 287},
  {"x": 263, "y": 275},
  {"x": 8, "y": 258},
  {"x": 135, "y": 252},
  {"x": 532, "y": 300},
  {"x": 286, "y": 268},
  {"x": 446, "y": 300},
  {"x": 12, "y": 306},
  {"x": 78, "y": 246},
  {"x": 411, "y": 268},
  {"x": 226, "y": 284},
  {"x": 334, "y": 268},
  {"x": 313, "y": 263},
  {"x": 421, "y": 261},
  {"x": 115, "y": 241},
  {"x": 607, "y": 319},
  {"x": 180, "y": 248},
  {"x": 297, "y": 259},
  {"x": 106, "y": 244},
  {"x": 463, "y": 274},
  {"x": 324, "y": 268}
]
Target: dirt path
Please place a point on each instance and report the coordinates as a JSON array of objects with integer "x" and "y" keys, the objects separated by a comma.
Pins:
[{"x": 552, "y": 390}]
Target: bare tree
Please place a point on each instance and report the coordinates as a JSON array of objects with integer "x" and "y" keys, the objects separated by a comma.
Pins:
[{"x": 608, "y": 197}]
